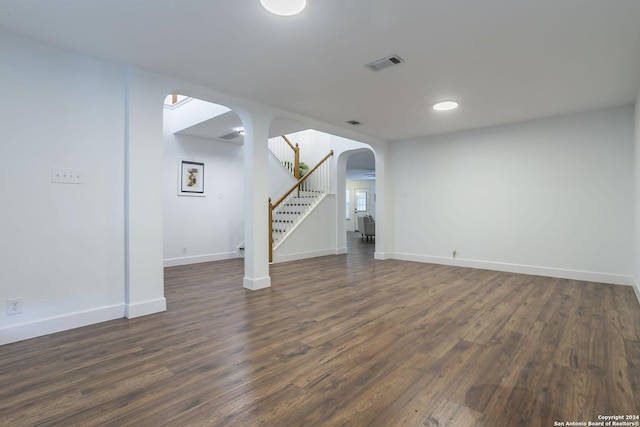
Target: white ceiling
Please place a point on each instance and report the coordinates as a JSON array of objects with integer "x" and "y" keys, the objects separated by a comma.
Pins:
[{"x": 504, "y": 60}]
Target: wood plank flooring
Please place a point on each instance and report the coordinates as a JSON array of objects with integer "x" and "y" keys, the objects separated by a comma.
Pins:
[{"x": 340, "y": 341}]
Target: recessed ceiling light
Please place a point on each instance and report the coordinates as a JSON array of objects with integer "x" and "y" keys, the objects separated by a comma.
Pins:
[
  {"x": 284, "y": 7},
  {"x": 445, "y": 105}
]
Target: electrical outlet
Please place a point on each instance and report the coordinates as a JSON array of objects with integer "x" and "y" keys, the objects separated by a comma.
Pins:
[{"x": 14, "y": 306}]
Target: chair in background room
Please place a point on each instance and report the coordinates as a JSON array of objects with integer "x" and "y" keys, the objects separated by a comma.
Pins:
[{"x": 367, "y": 226}]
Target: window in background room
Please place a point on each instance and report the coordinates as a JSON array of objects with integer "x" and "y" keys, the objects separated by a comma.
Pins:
[{"x": 361, "y": 201}]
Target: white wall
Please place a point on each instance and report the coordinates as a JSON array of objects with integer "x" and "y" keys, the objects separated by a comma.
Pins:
[
  {"x": 280, "y": 179},
  {"x": 209, "y": 228},
  {"x": 62, "y": 244},
  {"x": 636, "y": 216},
  {"x": 551, "y": 197},
  {"x": 314, "y": 145}
]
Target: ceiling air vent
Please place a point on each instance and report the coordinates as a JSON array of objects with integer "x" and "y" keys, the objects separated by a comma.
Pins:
[
  {"x": 383, "y": 63},
  {"x": 231, "y": 135},
  {"x": 353, "y": 122}
]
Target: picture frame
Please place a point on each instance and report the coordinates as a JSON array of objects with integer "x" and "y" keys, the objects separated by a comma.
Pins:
[{"x": 191, "y": 178}]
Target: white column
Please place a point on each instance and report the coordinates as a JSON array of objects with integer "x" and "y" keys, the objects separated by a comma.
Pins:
[
  {"x": 384, "y": 207},
  {"x": 341, "y": 206},
  {"x": 144, "y": 281},
  {"x": 256, "y": 199}
]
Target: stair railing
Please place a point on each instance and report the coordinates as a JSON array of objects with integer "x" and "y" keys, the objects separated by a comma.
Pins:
[
  {"x": 287, "y": 153},
  {"x": 317, "y": 180}
]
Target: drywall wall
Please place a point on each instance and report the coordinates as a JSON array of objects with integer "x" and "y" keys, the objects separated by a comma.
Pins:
[
  {"x": 280, "y": 179},
  {"x": 63, "y": 244},
  {"x": 551, "y": 197},
  {"x": 314, "y": 145},
  {"x": 209, "y": 228},
  {"x": 314, "y": 236}
]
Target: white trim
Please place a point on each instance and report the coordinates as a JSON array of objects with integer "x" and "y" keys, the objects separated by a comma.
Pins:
[
  {"x": 255, "y": 284},
  {"x": 174, "y": 262},
  {"x": 303, "y": 255},
  {"x": 240, "y": 250},
  {"x": 382, "y": 255},
  {"x": 589, "y": 276},
  {"x": 177, "y": 104},
  {"x": 636, "y": 289},
  {"x": 144, "y": 308},
  {"x": 341, "y": 251},
  {"x": 60, "y": 323}
]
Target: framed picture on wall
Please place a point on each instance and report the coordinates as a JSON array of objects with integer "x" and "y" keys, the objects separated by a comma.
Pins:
[{"x": 191, "y": 178}]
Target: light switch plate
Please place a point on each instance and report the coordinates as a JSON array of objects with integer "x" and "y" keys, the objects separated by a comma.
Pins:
[{"x": 66, "y": 176}]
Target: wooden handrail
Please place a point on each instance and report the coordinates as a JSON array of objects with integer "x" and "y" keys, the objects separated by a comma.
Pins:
[
  {"x": 296, "y": 157},
  {"x": 290, "y": 144},
  {"x": 300, "y": 181}
]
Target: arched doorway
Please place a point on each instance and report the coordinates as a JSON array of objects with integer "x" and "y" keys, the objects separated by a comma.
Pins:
[
  {"x": 203, "y": 221},
  {"x": 357, "y": 190}
]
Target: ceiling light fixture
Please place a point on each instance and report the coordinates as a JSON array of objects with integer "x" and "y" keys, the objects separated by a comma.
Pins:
[
  {"x": 445, "y": 105},
  {"x": 284, "y": 7}
]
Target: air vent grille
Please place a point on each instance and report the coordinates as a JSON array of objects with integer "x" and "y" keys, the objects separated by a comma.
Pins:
[
  {"x": 231, "y": 135},
  {"x": 383, "y": 63}
]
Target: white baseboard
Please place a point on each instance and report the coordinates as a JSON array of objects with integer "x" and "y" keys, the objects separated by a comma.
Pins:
[
  {"x": 256, "y": 283},
  {"x": 174, "y": 262},
  {"x": 144, "y": 308},
  {"x": 636, "y": 289},
  {"x": 381, "y": 255},
  {"x": 561, "y": 273},
  {"x": 302, "y": 255},
  {"x": 64, "y": 322},
  {"x": 341, "y": 251}
]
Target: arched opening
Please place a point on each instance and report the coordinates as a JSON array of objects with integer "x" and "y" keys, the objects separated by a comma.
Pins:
[
  {"x": 203, "y": 181},
  {"x": 360, "y": 200},
  {"x": 357, "y": 202}
]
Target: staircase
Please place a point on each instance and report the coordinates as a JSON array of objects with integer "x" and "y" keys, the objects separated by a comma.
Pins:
[
  {"x": 291, "y": 212},
  {"x": 295, "y": 204}
]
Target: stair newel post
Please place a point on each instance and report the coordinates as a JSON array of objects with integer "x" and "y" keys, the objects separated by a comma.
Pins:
[
  {"x": 296, "y": 165},
  {"x": 296, "y": 157},
  {"x": 270, "y": 231}
]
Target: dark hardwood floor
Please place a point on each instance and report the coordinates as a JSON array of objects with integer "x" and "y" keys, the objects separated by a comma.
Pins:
[{"x": 340, "y": 341}]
